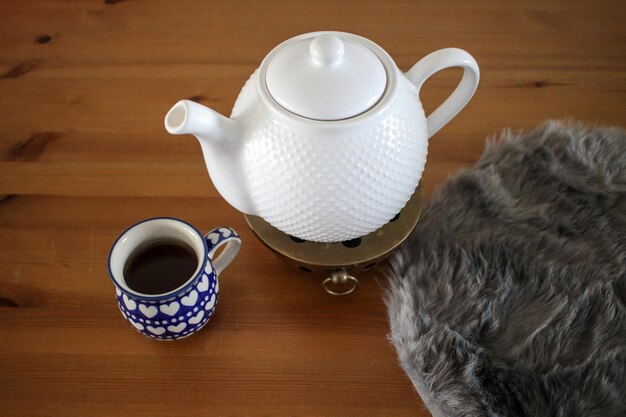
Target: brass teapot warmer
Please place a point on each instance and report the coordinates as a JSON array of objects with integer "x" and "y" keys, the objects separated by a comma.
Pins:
[{"x": 339, "y": 262}]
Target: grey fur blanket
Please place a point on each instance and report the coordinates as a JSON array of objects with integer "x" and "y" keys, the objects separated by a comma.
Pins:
[{"x": 509, "y": 297}]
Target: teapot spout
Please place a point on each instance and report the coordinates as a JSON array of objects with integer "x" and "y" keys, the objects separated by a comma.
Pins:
[{"x": 221, "y": 147}]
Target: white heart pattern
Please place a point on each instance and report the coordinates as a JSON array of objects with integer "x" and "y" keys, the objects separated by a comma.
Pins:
[
  {"x": 225, "y": 232},
  {"x": 213, "y": 237},
  {"x": 137, "y": 326},
  {"x": 209, "y": 305},
  {"x": 208, "y": 268},
  {"x": 204, "y": 284},
  {"x": 117, "y": 291},
  {"x": 190, "y": 299},
  {"x": 197, "y": 318},
  {"x": 178, "y": 328},
  {"x": 156, "y": 330},
  {"x": 170, "y": 309},
  {"x": 130, "y": 304},
  {"x": 149, "y": 312}
]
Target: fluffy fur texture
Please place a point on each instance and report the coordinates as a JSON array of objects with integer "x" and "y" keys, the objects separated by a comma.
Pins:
[{"x": 509, "y": 297}]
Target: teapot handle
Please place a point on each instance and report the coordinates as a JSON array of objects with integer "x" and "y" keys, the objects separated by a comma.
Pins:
[{"x": 436, "y": 61}]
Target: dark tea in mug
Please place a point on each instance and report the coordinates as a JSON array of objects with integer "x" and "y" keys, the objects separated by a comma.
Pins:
[{"x": 160, "y": 266}]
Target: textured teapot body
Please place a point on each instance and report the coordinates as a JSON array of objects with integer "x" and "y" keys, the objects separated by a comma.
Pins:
[
  {"x": 331, "y": 181},
  {"x": 327, "y": 140}
]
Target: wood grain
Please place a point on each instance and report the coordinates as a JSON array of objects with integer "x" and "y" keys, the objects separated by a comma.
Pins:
[{"x": 83, "y": 154}]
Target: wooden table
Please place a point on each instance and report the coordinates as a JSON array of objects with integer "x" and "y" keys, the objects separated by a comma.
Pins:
[{"x": 84, "y": 88}]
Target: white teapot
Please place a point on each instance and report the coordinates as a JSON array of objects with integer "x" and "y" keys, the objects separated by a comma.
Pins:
[{"x": 327, "y": 140}]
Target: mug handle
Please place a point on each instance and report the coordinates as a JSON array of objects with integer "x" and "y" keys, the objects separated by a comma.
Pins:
[
  {"x": 218, "y": 237},
  {"x": 435, "y": 62}
]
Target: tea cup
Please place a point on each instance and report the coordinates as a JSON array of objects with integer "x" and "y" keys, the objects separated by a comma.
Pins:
[{"x": 183, "y": 310}]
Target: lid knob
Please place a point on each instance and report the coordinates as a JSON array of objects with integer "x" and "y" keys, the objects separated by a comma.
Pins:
[{"x": 327, "y": 49}]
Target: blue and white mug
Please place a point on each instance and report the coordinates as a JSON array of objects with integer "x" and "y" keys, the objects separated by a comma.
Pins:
[{"x": 185, "y": 310}]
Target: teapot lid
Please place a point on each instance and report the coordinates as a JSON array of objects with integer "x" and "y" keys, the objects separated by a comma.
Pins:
[{"x": 326, "y": 77}]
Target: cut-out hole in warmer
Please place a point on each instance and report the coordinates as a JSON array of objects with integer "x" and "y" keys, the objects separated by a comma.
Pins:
[
  {"x": 296, "y": 239},
  {"x": 352, "y": 243}
]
